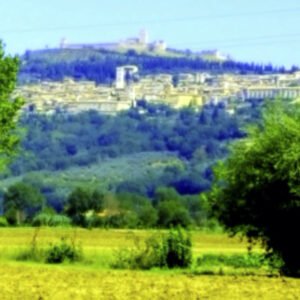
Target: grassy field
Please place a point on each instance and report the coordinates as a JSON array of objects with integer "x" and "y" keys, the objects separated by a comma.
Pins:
[
  {"x": 93, "y": 279},
  {"x": 99, "y": 244}
]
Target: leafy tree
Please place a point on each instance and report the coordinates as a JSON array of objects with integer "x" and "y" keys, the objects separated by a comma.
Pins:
[
  {"x": 8, "y": 107},
  {"x": 80, "y": 201},
  {"x": 147, "y": 216},
  {"x": 166, "y": 194},
  {"x": 21, "y": 201},
  {"x": 257, "y": 189},
  {"x": 172, "y": 213}
]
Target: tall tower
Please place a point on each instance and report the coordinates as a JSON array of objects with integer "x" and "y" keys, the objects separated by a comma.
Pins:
[
  {"x": 120, "y": 82},
  {"x": 143, "y": 37},
  {"x": 63, "y": 43},
  {"x": 122, "y": 73}
]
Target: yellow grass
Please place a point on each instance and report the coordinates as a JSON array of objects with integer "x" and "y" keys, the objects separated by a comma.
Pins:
[
  {"x": 108, "y": 239},
  {"x": 44, "y": 282},
  {"x": 24, "y": 280}
]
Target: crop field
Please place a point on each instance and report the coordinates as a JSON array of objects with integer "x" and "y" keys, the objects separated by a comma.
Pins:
[{"x": 94, "y": 279}]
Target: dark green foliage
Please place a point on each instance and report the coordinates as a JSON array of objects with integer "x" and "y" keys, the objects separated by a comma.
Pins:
[
  {"x": 138, "y": 210},
  {"x": 166, "y": 194},
  {"x": 178, "y": 246},
  {"x": 170, "y": 208},
  {"x": 3, "y": 222},
  {"x": 172, "y": 213},
  {"x": 147, "y": 216},
  {"x": 257, "y": 191},
  {"x": 9, "y": 108},
  {"x": 50, "y": 141},
  {"x": 63, "y": 251},
  {"x": 147, "y": 255},
  {"x": 160, "y": 147},
  {"x": 20, "y": 202},
  {"x": 82, "y": 200},
  {"x": 173, "y": 250}
]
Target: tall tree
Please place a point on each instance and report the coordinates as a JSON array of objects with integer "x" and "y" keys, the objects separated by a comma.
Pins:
[
  {"x": 80, "y": 201},
  {"x": 9, "y": 107},
  {"x": 21, "y": 201},
  {"x": 257, "y": 190}
]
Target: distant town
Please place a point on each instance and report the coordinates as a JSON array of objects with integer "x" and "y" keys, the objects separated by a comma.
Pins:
[
  {"x": 142, "y": 44},
  {"x": 187, "y": 89},
  {"x": 177, "y": 90}
]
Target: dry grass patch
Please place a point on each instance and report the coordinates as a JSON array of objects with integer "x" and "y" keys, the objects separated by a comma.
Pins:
[{"x": 44, "y": 282}]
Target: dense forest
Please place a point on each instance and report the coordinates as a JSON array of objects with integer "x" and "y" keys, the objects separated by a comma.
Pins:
[
  {"x": 148, "y": 152},
  {"x": 100, "y": 65}
]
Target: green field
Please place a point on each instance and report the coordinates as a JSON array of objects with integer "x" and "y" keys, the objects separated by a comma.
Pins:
[
  {"x": 100, "y": 244},
  {"x": 94, "y": 279}
]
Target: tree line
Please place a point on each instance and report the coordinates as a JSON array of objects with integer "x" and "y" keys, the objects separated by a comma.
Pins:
[
  {"x": 100, "y": 65},
  {"x": 25, "y": 204}
]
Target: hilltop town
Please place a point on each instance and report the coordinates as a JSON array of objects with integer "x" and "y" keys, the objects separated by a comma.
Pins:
[
  {"x": 141, "y": 44},
  {"x": 177, "y": 89},
  {"x": 184, "y": 89}
]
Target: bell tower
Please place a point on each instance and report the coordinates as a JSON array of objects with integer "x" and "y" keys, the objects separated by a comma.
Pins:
[{"x": 143, "y": 37}]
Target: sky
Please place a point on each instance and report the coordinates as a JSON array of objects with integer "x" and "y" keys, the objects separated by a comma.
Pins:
[{"x": 261, "y": 31}]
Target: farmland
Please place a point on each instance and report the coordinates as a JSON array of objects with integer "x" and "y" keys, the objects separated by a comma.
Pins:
[{"x": 94, "y": 279}]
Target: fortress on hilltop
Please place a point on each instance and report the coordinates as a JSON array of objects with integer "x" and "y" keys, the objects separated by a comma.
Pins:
[{"x": 139, "y": 43}]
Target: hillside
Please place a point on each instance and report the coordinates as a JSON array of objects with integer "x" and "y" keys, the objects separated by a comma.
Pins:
[
  {"x": 145, "y": 168},
  {"x": 100, "y": 65},
  {"x": 128, "y": 152}
]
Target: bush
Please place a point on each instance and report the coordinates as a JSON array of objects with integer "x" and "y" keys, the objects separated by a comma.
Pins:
[
  {"x": 94, "y": 221},
  {"x": 3, "y": 222},
  {"x": 171, "y": 251},
  {"x": 64, "y": 251},
  {"x": 172, "y": 213},
  {"x": 178, "y": 246},
  {"x": 33, "y": 252},
  {"x": 143, "y": 256}
]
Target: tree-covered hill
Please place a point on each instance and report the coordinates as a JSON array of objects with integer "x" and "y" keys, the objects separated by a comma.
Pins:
[
  {"x": 150, "y": 161},
  {"x": 130, "y": 152},
  {"x": 100, "y": 65}
]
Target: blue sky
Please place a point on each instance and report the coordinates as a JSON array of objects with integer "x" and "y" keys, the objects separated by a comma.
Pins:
[{"x": 258, "y": 30}]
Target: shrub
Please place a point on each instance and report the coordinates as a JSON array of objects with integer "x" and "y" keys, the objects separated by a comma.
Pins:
[
  {"x": 3, "y": 222},
  {"x": 32, "y": 252},
  {"x": 178, "y": 246},
  {"x": 142, "y": 256},
  {"x": 63, "y": 251},
  {"x": 173, "y": 250},
  {"x": 94, "y": 221}
]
